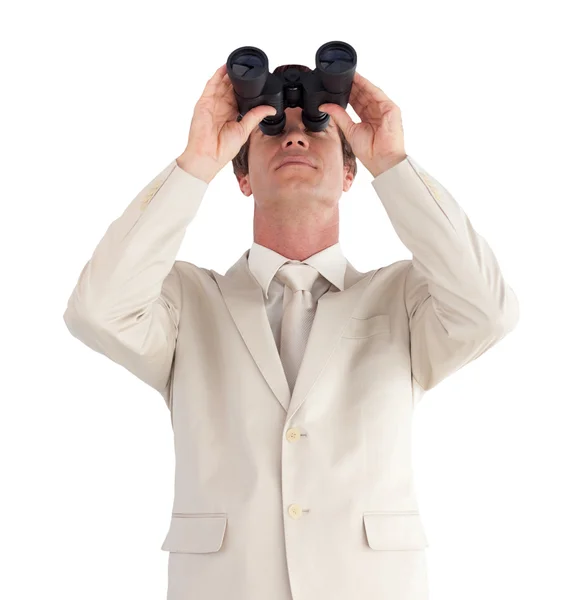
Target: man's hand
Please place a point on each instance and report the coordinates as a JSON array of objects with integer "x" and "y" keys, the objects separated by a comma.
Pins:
[
  {"x": 378, "y": 140},
  {"x": 215, "y": 135}
]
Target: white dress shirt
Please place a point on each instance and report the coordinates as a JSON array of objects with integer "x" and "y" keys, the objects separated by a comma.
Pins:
[{"x": 264, "y": 264}]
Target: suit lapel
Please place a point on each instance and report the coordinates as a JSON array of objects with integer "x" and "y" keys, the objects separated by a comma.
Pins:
[{"x": 244, "y": 298}]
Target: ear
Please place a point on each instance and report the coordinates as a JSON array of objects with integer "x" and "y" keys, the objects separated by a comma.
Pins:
[
  {"x": 348, "y": 179},
  {"x": 244, "y": 185}
]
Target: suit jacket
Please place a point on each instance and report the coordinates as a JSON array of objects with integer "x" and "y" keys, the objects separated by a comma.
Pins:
[{"x": 307, "y": 496}]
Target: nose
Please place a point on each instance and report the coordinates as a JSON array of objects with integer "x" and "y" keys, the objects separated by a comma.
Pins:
[{"x": 295, "y": 136}]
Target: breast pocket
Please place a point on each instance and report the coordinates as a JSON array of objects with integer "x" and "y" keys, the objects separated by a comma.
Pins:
[{"x": 358, "y": 327}]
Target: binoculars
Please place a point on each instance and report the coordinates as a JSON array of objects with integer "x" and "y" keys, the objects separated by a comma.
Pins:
[{"x": 330, "y": 81}]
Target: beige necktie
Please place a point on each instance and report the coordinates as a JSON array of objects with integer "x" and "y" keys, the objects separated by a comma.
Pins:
[{"x": 298, "y": 316}]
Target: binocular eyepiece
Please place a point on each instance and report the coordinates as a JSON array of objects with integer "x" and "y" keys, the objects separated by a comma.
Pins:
[{"x": 329, "y": 82}]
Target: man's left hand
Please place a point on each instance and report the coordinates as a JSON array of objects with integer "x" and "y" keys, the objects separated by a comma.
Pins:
[{"x": 378, "y": 140}]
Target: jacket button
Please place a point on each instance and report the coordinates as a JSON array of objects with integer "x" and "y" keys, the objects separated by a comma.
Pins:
[
  {"x": 295, "y": 511},
  {"x": 293, "y": 434}
]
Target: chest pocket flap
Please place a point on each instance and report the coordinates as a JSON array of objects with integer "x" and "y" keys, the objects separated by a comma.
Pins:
[{"x": 361, "y": 328}]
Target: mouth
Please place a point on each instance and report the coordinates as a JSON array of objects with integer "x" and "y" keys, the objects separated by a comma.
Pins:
[{"x": 295, "y": 164}]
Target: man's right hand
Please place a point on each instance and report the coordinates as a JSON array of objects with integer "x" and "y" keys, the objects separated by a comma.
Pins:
[{"x": 215, "y": 136}]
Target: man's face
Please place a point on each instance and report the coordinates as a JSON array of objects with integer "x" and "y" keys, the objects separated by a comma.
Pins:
[{"x": 295, "y": 184}]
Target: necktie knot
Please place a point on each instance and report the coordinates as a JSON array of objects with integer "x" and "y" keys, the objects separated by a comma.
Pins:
[{"x": 298, "y": 276}]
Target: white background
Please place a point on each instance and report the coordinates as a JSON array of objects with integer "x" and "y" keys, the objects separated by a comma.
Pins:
[{"x": 97, "y": 101}]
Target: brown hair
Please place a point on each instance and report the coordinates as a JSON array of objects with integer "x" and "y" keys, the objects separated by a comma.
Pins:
[{"x": 240, "y": 162}]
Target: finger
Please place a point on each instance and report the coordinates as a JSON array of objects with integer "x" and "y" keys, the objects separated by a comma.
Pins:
[
  {"x": 359, "y": 100},
  {"x": 362, "y": 106},
  {"x": 367, "y": 106},
  {"x": 211, "y": 87},
  {"x": 253, "y": 117},
  {"x": 224, "y": 93},
  {"x": 225, "y": 88},
  {"x": 363, "y": 87},
  {"x": 340, "y": 116},
  {"x": 229, "y": 99}
]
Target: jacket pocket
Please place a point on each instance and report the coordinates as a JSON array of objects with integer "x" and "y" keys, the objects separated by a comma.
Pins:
[
  {"x": 362, "y": 328},
  {"x": 395, "y": 530},
  {"x": 195, "y": 533}
]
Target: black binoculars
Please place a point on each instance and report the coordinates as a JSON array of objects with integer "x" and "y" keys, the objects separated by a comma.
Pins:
[{"x": 329, "y": 82}]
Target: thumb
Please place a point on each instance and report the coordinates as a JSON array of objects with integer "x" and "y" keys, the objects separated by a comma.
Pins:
[
  {"x": 252, "y": 118},
  {"x": 340, "y": 116}
]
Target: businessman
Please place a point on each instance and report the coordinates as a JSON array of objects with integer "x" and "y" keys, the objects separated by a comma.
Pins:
[{"x": 292, "y": 379}]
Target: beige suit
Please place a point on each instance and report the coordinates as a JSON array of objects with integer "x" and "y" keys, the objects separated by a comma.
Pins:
[{"x": 308, "y": 497}]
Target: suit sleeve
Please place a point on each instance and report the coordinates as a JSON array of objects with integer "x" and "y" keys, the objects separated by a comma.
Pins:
[
  {"x": 457, "y": 301},
  {"x": 127, "y": 301}
]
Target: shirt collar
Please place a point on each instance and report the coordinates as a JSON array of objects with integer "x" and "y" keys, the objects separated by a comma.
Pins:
[{"x": 264, "y": 264}]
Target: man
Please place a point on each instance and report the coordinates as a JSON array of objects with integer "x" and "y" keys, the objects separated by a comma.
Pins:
[{"x": 292, "y": 379}]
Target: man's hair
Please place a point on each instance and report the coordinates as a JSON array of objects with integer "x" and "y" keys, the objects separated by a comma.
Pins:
[{"x": 240, "y": 162}]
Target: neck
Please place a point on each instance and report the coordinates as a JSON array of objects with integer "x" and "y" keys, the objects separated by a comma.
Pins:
[{"x": 299, "y": 237}]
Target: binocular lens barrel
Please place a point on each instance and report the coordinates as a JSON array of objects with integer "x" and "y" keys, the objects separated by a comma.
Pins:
[
  {"x": 336, "y": 63},
  {"x": 248, "y": 68},
  {"x": 331, "y": 81}
]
